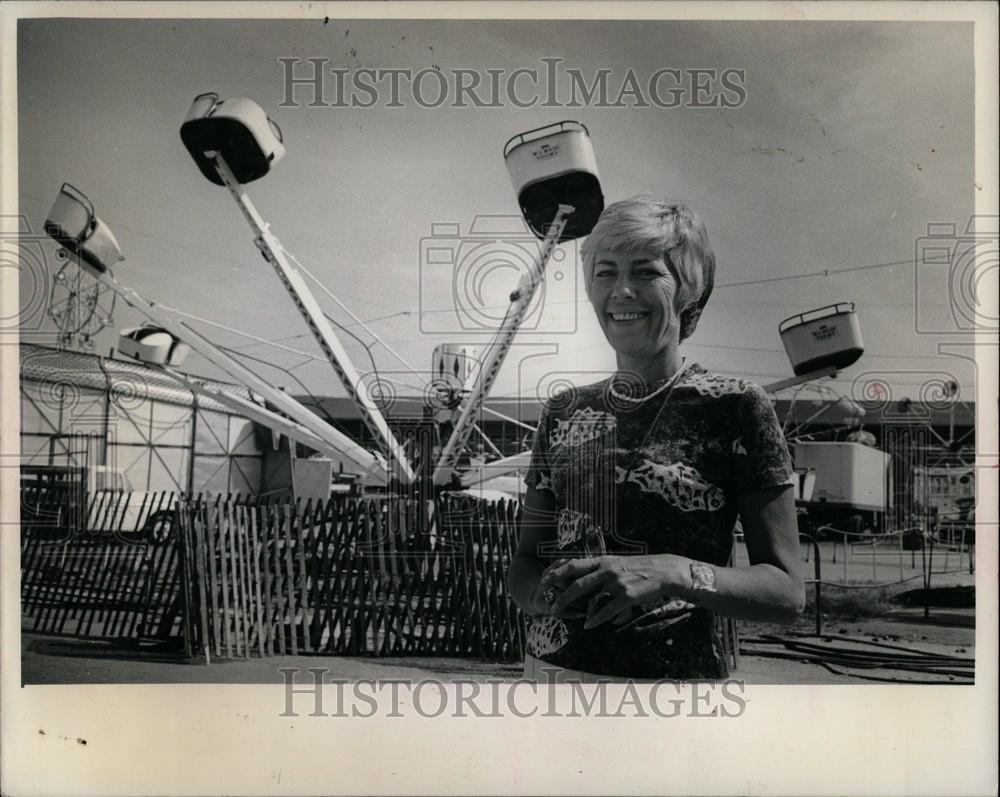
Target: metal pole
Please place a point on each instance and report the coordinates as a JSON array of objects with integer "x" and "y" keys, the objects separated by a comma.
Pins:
[
  {"x": 194, "y": 441},
  {"x": 774, "y": 387},
  {"x": 923, "y": 570},
  {"x": 318, "y": 324},
  {"x": 819, "y": 588},
  {"x": 493, "y": 359},
  {"x": 266, "y": 418},
  {"x": 160, "y": 316},
  {"x": 902, "y": 536},
  {"x": 930, "y": 571}
]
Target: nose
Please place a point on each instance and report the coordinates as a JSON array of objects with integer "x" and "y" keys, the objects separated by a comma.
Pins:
[{"x": 623, "y": 287}]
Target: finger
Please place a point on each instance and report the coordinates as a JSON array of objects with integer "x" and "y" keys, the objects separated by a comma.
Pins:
[
  {"x": 609, "y": 610},
  {"x": 554, "y": 571},
  {"x": 569, "y": 570},
  {"x": 597, "y": 599},
  {"x": 555, "y": 564},
  {"x": 578, "y": 590},
  {"x": 549, "y": 595}
]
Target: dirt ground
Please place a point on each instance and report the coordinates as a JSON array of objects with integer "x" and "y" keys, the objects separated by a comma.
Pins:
[{"x": 48, "y": 659}]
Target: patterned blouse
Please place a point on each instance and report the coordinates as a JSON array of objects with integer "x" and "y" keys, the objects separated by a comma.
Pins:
[{"x": 624, "y": 485}]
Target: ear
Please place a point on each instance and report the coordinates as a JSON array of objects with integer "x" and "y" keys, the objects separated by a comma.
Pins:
[
  {"x": 689, "y": 319},
  {"x": 691, "y": 314}
]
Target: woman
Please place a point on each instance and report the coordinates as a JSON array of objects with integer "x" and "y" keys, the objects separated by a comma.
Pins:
[{"x": 636, "y": 482}]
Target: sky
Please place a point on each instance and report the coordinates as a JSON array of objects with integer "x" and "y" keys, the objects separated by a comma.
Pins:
[{"x": 852, "y": 139}]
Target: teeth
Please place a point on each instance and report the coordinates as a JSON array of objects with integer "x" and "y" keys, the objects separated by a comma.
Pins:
[{"x": 626, "y": 316}]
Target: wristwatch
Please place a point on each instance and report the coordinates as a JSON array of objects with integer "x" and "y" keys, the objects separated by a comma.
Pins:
[{"x": 702, "y": 578}]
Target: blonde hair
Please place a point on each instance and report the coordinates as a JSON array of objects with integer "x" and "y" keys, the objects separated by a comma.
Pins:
[{"x": 647, "y": 222}]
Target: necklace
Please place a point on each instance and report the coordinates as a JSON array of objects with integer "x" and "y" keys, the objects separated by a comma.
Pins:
[
  {"x": 623, "y": 475},
  {"x": 652, "y": 426},
  {"x": 668, "y": 384}
]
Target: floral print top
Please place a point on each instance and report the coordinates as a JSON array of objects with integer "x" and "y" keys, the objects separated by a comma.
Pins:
[{"x": 626, "y": 485}]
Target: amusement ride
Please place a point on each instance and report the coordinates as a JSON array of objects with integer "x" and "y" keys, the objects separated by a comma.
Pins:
[{"x": 233, "y": 142}]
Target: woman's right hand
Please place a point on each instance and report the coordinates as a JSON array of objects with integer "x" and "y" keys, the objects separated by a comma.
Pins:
[{"x": 545, "y": 597}]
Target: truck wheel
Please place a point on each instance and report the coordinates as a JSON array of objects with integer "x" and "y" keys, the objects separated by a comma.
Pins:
[{"x": 159, "y": 529}]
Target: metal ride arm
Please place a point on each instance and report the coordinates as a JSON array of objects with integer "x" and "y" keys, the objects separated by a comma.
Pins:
[
  {"x": 341, "y": 443},
  {"x": 494, "y": 356},
  {"x": 310, "y": 310},
  {"x": 272, "y": 420},
  {"x": 499, "y": 467},
  {"x": 774, "y": 387}
]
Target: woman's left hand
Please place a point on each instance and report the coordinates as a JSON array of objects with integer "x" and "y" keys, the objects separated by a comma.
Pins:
[{"x": 612, "y": 585}]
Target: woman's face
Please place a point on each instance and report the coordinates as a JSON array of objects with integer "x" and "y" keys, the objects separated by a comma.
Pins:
[{"x": 635, "y": 297}]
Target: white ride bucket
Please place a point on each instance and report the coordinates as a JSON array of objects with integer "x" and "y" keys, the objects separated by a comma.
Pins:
[
  {"x": 452, "y": 365},
  {"x": 829, "y": 336},
  {"x": 236, "y": 128},
  {"x": 153, "y": 345},
  {"x": 73, "y": 223},
  {"x": 551, "y": 166}
]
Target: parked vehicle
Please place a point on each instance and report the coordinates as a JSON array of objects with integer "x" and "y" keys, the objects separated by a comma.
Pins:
[
  {"x": 65, "y": 501},
  {"x": 852, "y": 490}
]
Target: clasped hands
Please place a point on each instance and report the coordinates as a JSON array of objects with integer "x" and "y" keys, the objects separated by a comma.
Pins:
[{"x": 605, "y": 588}]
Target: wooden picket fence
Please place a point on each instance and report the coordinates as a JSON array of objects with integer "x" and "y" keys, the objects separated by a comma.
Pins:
[
  {"x": 353, "y": 576},
  {"x": 242, "y": 577},
  {"x": 103, "y": 578}
]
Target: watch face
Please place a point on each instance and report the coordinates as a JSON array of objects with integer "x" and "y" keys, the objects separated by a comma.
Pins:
[{"x": 702, "y": 577}]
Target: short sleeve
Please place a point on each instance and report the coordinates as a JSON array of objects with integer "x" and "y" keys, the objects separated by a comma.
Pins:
[
  {"x": 540, "y": 470},
  {"x": 760, "y": 453}
]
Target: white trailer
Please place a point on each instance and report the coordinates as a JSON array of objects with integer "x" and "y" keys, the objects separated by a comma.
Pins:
[{"x": 853, "y": 487}]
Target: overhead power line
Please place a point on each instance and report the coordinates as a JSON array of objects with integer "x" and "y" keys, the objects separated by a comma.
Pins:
[{"x": 811, "y": 275}]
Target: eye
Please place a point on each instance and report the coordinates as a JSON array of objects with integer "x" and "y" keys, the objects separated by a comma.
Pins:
[{"x": 603, "y": 272}]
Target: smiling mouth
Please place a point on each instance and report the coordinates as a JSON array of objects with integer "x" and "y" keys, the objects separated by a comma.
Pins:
[{"x": 627, "y": 316}]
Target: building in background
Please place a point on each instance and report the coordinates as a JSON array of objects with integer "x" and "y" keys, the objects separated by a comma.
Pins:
[{"x": 88, "y": 411}]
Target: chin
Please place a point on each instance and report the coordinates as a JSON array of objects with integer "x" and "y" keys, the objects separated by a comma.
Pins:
[{"x": 629, "y": 351}]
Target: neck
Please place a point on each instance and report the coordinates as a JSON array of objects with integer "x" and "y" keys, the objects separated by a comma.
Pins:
[{"x": 652, "y": 369}]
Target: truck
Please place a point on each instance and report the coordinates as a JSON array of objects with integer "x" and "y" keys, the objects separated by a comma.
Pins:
[
  {"x": 852, "y": 490},
  {"x": 66, "y": 501}
]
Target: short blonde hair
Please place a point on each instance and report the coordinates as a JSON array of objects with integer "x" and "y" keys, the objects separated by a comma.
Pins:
[{"x": 649, "y": 223}]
